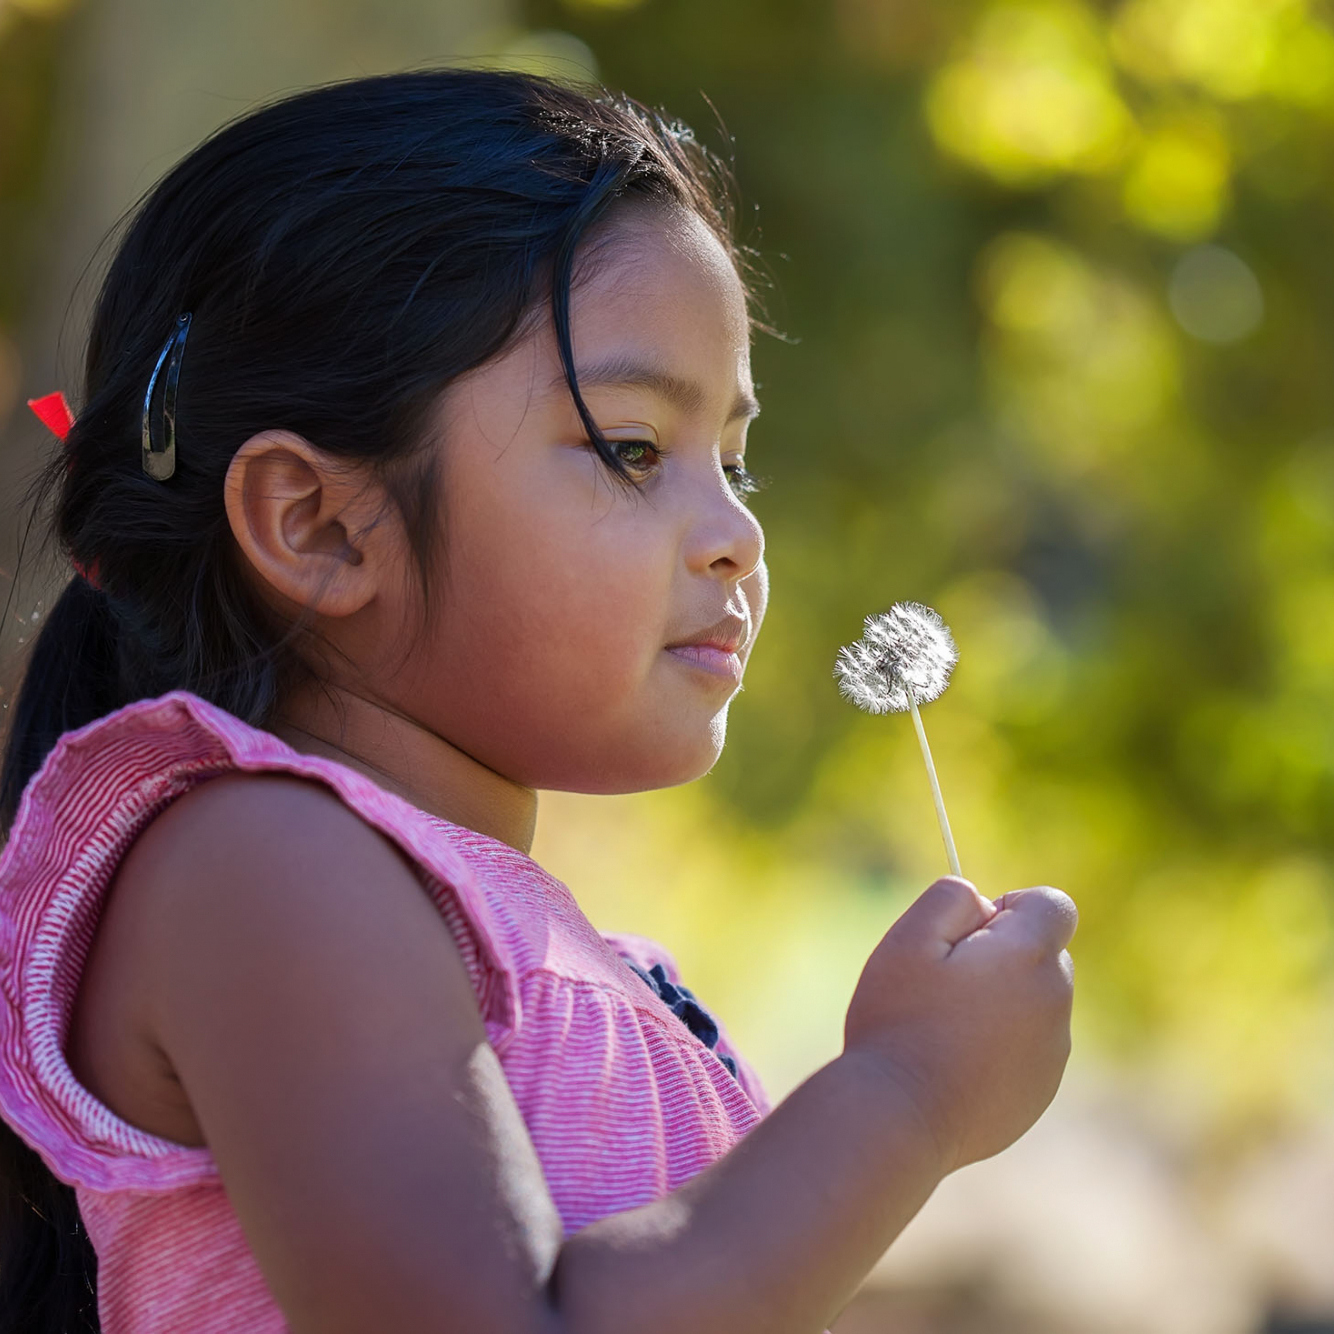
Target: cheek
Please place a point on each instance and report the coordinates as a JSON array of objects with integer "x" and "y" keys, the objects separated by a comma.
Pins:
[
  {"x": 578, "y": 600},
  {"x": 546, "y": 658}
]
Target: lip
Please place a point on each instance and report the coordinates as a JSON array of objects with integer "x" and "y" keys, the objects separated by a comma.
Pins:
[
  {"x": 727, "y": 635},
  {"x": 710, "y": 658}
]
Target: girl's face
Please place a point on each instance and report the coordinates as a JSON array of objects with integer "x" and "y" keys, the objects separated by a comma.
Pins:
[{"x": 547, "y": 655}]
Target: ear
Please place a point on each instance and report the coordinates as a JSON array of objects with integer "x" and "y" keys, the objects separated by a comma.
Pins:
[{"x": 307, "y": 523}]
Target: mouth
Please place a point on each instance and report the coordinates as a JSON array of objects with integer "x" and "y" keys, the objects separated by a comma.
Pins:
[{"x": 716, "y": 660}]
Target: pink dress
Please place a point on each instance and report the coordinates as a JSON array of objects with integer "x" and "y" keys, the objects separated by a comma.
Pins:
[{"x": 622, "y": 1101}]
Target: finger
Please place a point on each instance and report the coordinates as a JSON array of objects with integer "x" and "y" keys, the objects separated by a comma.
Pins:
[
  {"x": 944, "y": 914},
  {"x": 1044, "y": 916}
]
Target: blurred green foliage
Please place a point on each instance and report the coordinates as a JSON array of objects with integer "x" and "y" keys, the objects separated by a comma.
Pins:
[{"x": 1061, "y": 284}]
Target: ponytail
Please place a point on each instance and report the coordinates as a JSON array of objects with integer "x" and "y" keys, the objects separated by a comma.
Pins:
[
  {"x": 48, "y": 1280},
  {"x": 70, "y": 681}
]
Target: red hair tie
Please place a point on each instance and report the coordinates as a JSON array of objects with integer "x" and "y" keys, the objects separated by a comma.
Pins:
[{"x": 53, "y": 412}]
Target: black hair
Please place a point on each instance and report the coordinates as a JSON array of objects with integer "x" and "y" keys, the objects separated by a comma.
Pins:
[{"x": 345, "y": 253}]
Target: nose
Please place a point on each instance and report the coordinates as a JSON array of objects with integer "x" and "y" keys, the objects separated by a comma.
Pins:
[{"x": 725, "y": 537}]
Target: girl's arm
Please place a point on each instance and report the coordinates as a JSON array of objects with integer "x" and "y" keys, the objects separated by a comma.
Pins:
[
  {"x": 312, "y": 1002},
  {"x": 955, "y": 1042}
]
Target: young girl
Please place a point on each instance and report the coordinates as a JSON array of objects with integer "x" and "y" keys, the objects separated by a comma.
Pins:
[{"x": 408, "y": 479}]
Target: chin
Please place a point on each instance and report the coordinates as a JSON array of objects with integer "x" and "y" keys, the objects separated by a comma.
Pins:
[
  {"x": 692, "y": 763},
  {"x": 649, "y": 767}
]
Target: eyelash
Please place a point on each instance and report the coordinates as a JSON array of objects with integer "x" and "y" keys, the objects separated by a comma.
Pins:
[{"x": 744, "y": 483}]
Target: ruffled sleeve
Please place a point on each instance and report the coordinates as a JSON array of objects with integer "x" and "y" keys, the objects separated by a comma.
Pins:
[{"x": 97, "y": 790}]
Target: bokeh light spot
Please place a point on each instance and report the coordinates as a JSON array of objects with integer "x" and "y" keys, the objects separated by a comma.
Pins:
[
  {"x": 1030, "y": 96},
  {"x": 1214, "y": 295},
  {"x": 1078, "y": 359},
  {"x": 1031, "y": 284},
  {"x": 1232, "y": 49},
  {"x": 1180, "y": 182}
]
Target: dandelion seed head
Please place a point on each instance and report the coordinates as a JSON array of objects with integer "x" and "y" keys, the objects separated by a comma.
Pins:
[{"x": 905, "y": 648}]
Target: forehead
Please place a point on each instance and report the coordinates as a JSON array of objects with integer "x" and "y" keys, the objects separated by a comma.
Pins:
[
  {"x": 657, "y": 283},
  {"x": 652, "y": 290}
]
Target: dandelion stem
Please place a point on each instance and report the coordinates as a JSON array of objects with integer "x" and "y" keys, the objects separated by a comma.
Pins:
[{"x": 935, "y": 784}]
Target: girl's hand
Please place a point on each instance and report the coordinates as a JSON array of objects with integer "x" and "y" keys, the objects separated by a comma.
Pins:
[{"x": 965, "y": 1005}]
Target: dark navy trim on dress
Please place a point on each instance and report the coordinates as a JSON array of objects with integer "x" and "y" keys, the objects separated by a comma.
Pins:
[{"x": 682, "y": 1003}]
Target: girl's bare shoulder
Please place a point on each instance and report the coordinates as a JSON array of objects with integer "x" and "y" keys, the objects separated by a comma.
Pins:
[
  {"x": 245, "y": 818},
  {"x": 246, "y": 874},
  {"x": 256, "y": 860}
]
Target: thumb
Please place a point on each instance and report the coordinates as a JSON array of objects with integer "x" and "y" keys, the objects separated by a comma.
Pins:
[
  {"x": 943, "y": 915},
  {"x": 1042, "y": 916}
]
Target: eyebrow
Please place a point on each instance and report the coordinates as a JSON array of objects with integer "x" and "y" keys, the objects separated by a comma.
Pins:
[{"x": 624, "y": 372}]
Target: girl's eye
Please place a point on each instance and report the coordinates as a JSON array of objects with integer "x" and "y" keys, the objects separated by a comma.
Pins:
[
  {"x": 636, "y": 453},
  {"x": 641, "y": 455}
]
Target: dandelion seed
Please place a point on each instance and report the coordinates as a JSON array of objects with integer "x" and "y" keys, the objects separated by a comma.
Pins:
[
  {"x": 903, "y": 659},
  {"x": 907, "y": 648}
]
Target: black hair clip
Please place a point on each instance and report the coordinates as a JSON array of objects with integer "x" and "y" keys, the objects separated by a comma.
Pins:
[{"x": 159, "y": 455}]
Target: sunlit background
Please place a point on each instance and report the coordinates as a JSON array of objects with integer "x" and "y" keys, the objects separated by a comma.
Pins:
[{"x": 1057, "y": 280}]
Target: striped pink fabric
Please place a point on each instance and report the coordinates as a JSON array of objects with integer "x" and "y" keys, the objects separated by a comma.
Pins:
[{"x": 622, "y": 1101}]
